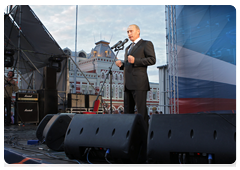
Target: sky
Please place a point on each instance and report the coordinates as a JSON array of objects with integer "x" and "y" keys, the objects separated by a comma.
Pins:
[
  {"x": 105, "y": 22},
  {"x": 109, "y": 23}
]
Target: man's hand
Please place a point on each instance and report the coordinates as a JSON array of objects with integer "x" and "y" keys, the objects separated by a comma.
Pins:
[
  {"x": 118, "y": 63},
  {"x": 131, "y": 59}
]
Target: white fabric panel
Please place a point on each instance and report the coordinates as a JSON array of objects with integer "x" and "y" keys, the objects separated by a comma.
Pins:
[{"x": 199, "y": 66}]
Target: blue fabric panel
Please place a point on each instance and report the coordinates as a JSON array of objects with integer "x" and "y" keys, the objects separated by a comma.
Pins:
[
  {"x": 208, "y": 29},
  {"x": 195, "y": 88}
]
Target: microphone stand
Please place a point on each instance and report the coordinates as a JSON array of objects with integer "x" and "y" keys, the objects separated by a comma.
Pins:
[{"x": 110, "y": 72}]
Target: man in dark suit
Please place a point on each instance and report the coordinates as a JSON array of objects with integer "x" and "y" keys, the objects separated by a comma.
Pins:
[{"x": 138, "y": 56}]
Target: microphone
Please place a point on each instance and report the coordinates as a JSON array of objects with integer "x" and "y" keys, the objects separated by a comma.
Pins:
[
  {"x": 117, "y": 44},
  {"x": 124, "y": 42}
]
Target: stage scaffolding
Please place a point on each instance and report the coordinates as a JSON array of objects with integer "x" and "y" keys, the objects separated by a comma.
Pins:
[
  {"x": 172, "y": 68},
  {"x": 34, "y": 46}
]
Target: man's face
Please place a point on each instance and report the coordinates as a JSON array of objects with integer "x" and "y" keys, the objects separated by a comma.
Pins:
[
  {"x": 10, "y": 74},
  {"x": 133, "y": 33}
]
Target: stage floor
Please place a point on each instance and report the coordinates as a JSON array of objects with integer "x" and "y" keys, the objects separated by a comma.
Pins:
[{"x": 18, "y": 153}]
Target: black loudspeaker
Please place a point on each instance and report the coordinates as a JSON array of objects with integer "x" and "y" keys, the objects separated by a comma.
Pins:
[
  {"x": 42, "y": 125},
  {"x": 48, "y": 102},
  {"x": 55, "y": 62},
  {"x": 55, "y": 130},
  {"x": 49, "y": 78},
  {"x": 123, "y": 137},
  {"x": 192, "y": 138},
  {"x": 27, "y": 112},
  {"x": 76, "y": 100}
]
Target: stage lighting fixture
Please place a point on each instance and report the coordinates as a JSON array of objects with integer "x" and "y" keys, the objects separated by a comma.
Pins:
[
  {"x": 55, "y": 62},
  {"x": 8, "y": 57}
]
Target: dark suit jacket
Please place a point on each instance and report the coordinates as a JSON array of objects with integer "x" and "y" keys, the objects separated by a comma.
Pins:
[{"x": 135, "y": 75}]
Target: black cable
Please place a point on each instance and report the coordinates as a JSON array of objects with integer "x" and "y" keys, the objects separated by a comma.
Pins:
[
  {"x": 184, "y": 158},
  {"x": 107, "y": 152},
  {"x": 79, "y": 163},
  {"x": 89, "y": 161},
  {"x": 179, "y": 158}
]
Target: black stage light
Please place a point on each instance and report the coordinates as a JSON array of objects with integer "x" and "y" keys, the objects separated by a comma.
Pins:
[
  {"x": 55, "y": 62},
  {"x": 8, "y": 57}
]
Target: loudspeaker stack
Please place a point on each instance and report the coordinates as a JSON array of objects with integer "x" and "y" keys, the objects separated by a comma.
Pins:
[
  {"x": 27, "y": 110},
  {"x": 48, "y": 96},
  {"x": 123, "y": 138}
]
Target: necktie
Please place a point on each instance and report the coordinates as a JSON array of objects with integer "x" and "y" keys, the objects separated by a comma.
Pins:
[{"x": 131, "y": 47}]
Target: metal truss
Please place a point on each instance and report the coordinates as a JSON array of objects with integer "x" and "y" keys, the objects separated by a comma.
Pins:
[{"x": 171, "y": 42}]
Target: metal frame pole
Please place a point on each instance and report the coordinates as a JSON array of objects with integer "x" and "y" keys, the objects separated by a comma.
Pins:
[
  {"x": 75, "y": 69},
  {"x": 172, "y": 59},
  {"x": 19, "y": 38}
]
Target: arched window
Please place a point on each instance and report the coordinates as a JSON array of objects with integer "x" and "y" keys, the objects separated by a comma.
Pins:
[
  {"x": 81, "y": 54},
  {"x": 120, "y": 77},
  {"x": 67, "y": 51},
  {"x": 113, "y": 90},
  {"x": 94, "y": 53},
  {"x": 154, "y": 95},
  {"x": 120, "y": 93},
  {"x": 102, "y": 93}
]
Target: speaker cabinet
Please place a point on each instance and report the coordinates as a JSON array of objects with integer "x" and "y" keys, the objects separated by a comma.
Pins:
[
  {"x": 90, "y": 136},
  {"x": 76, "y": 100},
  {"x": 90, "y": 98},
  {"x": 82, "y": 100},
  {"x": 49, "y": 78},
  {"x": 27, "y": 112},
  {"x": 55, "y": 130},
  {"x": 48, "y": 102},
  {"x": 192, "y": 138},
  {"x": 28, "y": 97},
  {"x": 42, "y": 125}
]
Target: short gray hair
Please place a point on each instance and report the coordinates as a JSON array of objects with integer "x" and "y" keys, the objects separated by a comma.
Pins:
[{"x": 137, "y": 27}]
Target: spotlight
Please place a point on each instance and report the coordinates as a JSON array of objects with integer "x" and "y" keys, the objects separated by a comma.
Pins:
[
  {"x": 55, "y": 62},
  {"x": 8, "y": 57}
]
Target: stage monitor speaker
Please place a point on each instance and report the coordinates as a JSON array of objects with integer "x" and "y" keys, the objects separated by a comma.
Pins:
[
  {"x": 49, "y": 78},
  {"x": 27, "y": 112},
  {"x": 42, "y": 125},
  {"x": 90, "y": 98},
  {"x": 55, "y": 130},
  {"x": 76, "y": 100},
  {"x": 91, "y": 136},
  {"x": 192, "y": 138},
  {"x": 48, "y": 102}
]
